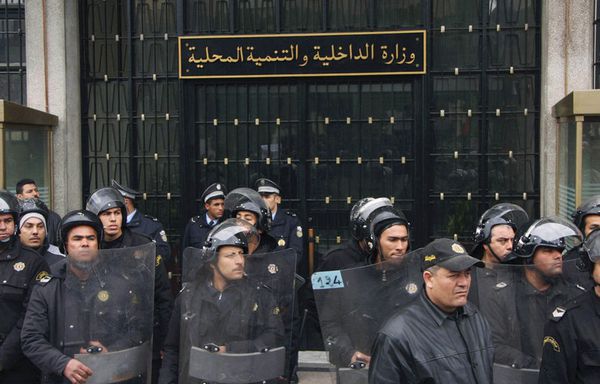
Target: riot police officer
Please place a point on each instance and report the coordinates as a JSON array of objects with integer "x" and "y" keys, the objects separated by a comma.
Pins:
[
  {"x": 220, "y": 309},
  {"x": 587, "y": 216},
  {"x": 519, "y": 308},
  {"x": 198, "y": 227},
  {"x": 33, "y": 230},
  {"x": 109, "y": 205},
  {"x": 144, "y": 224},
  {"x": 285, "y": 225},
  {"x": 20, "y": 268},
  {"x": 572, "y": 335},
  {"x": 87, "y": 306},
  {"x": 495, "y": 237}
]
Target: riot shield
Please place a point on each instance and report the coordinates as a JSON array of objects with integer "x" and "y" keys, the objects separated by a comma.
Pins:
[
  {"x": 237, "y": 329},
  {"x": 354, "y": 303},
  {"x": 517, "y": 301},
  {"x": 108, "y": 299}
]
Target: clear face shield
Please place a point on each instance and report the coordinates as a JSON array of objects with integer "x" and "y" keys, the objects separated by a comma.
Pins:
[{"x": 109, "y": 296}]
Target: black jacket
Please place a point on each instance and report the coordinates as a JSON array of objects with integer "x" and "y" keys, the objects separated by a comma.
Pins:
[
  {"x": 53, "y": 225},
  {"x": 163, "y": 298},
  {"x": 422, "y": 344},
  {"x": 571, "y": 346},
  {"x": 151, "y": 227},
  {"x": 20, "y": 267},
  {"x": 287, "y": 232},
  {"x": 244, "y": 318},
  {"x": 348, "y": 255},
  {"x": 196, "y": 231}
]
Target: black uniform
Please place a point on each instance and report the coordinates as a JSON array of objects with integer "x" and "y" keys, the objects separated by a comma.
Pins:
[
  {"x": 287, "y": 232},
  {"x": 517, "y": 314},
  {"x": 196, "y": 231},
  {"x": 53, "y": 227},
  {"x": 422, "y": 344},
  {"x": 103, "y": 308},
  {"x": 571, "y": 347},
  {"x": 244, "y": 318},
  {"x": 348, "y": 255},
  {"x": 163, "y": 299},
  {"x": 20, "y": 267},
  {"x": 151, "y": 227}
]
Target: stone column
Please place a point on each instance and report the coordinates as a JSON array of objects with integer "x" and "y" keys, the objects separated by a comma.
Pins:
[
  {"x": 53, "y": 85},
  {"x": 567, "y": 58}
]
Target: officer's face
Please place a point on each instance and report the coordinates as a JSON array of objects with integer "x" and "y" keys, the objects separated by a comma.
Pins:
[
  {"x": 596, "y": 276},
  {"x": 29, "y": 191},
  {"x": 33, "y": 233},
  {"x": 501, "y": 243},
  {"x": 591, "y": 222},
  {"x": 82, "y": 244},
  {"x": 272, "y": 200},
  {"x": 215, "y": 208},
  {"x": 447, "y": 289},
  {"x": 231, "y": 262},
  {"x": 247, "y": 215},
  {"x": 548, "y": 261},
  {"x": 393, "y": 242},
  {"x": 7, "y": 226},
  {"x": 112, "y": 219}
]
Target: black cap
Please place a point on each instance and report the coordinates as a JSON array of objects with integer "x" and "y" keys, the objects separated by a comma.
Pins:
[
  {"x": 125, "y": 191},
  {"x": 448, "y": 254},
  {"x": 214, "y": 191},
  {"x": 267, "y": 186}
]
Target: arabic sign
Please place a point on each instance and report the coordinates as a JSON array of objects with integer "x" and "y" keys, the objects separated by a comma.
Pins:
[{"x": 289, "y": 55}]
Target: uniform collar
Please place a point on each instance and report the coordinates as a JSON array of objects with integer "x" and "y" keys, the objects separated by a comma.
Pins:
[
  {"x": 438, "y": 315},
  {"x": 131, "y": 216}
]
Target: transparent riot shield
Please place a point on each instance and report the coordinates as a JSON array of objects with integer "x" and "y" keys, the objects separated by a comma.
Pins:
[
  {"x": 517, "y": 301},
  {"x": 235, "y": 325},
  {"x": 354, "y": 303},
  {"x": 108, "y": 299}
]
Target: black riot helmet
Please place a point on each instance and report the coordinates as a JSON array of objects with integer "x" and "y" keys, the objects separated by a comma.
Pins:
[
  {"x": 381, "y": 218},
  {"x": 104, "y": 199},
  {"x": 358, "y": 228},
  {"x": 9, "y": 204},
  {"x": 75, "y": 219},
  {"x": 246, "y": 199},
  {"x": 500, "y": 214},
  {"x": 589, "y": 207},
  {"x": 234, "y": 232},
  {"x": 590, "y": 252},
  {"x": 550, "y": 232}
]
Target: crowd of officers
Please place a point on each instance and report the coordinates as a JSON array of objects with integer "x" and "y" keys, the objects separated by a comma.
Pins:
[{"x": 515, "y": 300}]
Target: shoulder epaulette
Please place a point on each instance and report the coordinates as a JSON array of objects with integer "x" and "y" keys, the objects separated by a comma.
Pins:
[
  {"x": 43, "y": 278},
  {"x": 195, "y": 219},
  {"x": 151, "y": 217},
  {"x": 501, "y": 285}
]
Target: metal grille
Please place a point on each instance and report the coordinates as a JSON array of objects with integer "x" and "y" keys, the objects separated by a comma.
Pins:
[
  {"x": 12, "y": 51},
  {"x": 445, "y": 146}
]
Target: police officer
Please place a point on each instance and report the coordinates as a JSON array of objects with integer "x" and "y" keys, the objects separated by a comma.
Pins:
[
  {"x": 572, "y": 335},
  {"x": 587, "y": 216},
  {"x": 519, "y": 308},
  {"x": 82, "y": 307},
  {"x": 20, "y": 268},
  {"x": 247, "y": 204},
  {"x": 220, "y": 307},
  {"x": 285, "y": 225},
  {"x": 198, "y": 227},
  {"x": 109, "y": 205},
  {"x": 355, "y": 251},
  {"x": 494, "y": 242},
  {"x": 144, "y": 224},
  {"x": 27, "y": 189},
  {"x": 33, "y": 230}
]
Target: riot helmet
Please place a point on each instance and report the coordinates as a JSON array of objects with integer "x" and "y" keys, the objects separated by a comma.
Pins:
[
  {"x": 381, "y": 218},
  {"x": 359, "y": 232},
  {"x": 234, "y": 232},
  {"x": 590, "y": 252},
  {"x": 589, "y": 207},
  {"x": 9, "y": 204},
  {"x": 500, "y": 214},
  {"x": 104, "y": 199},
  {"x": 550, "y": 232},
  {"x": 246, "y": 199},
  {"x": 75, "y": 219}
]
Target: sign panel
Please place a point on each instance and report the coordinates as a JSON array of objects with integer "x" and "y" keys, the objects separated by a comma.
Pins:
[{"x": 293, "y": 55}]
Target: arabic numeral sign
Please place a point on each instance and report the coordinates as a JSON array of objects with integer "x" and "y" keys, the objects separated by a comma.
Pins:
[
  {"x": 327, "y": 280},
  {"x": 293, "y": 55}
]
